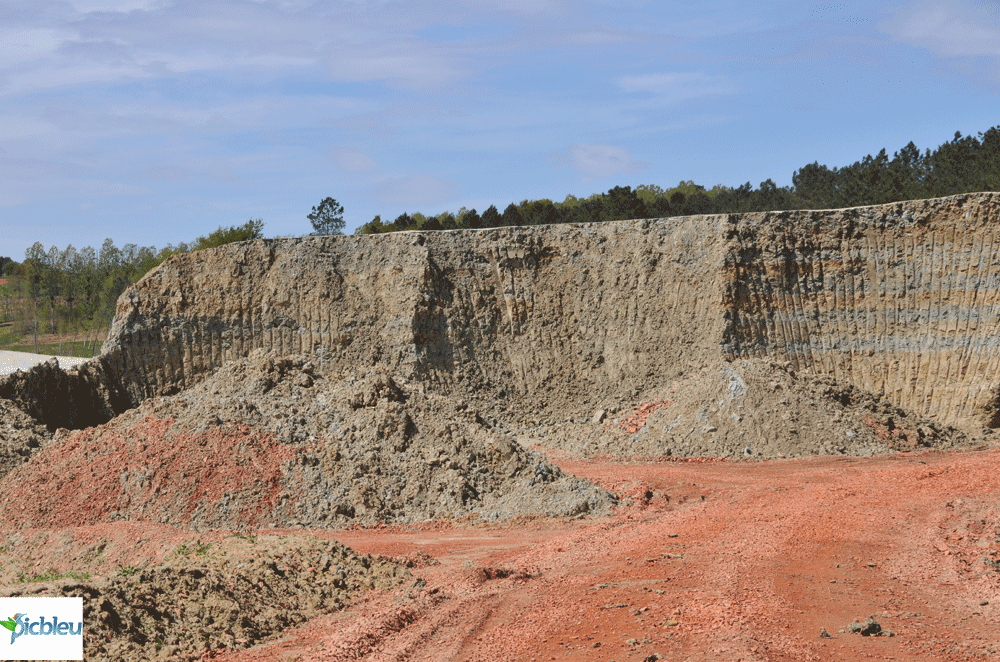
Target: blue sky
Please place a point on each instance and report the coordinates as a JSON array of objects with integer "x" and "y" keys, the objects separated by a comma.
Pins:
[{"x": 155, "y": 121}]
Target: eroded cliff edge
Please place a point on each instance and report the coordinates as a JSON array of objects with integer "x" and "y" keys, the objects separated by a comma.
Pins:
[{"x": 901, "y": 300}]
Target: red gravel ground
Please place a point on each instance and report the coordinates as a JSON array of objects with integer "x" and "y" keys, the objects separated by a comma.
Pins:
[
  {"x": 705, "y": 560},
  {"x": 712, "y": 561}
]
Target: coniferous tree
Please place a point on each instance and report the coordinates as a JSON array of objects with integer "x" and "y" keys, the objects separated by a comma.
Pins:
[
  {"x": 327, "y": 218},
  {"x": 491, "y": 217},
  {"x": 512, "y": 215},
  {"x": 471, "y": 219}
]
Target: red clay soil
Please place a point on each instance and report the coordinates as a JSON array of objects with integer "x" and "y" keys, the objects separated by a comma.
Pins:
[
  {"x": 711, "y": 561},
  {"x": 139, "y": 474}
]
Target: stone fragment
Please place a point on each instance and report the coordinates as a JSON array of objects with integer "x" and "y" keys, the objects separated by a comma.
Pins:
[{"x": 869, "y": 628}]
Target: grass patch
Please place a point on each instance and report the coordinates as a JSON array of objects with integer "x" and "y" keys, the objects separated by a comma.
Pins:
[
  {"x": 198, "y": 548},
  {"x": 7, "y": 335},
  {"x": 50, "y": 575}
]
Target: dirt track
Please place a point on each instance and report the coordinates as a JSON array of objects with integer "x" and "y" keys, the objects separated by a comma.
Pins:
[{"x": 774, "y": 553}]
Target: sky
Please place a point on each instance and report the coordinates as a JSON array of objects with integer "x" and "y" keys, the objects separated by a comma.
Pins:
[{"x": 156, "y": 121}]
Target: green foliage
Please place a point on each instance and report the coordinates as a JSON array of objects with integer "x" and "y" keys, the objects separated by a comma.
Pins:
[
  {"x": 512, "y": 215},
  {"x": 403, "y": 222},
  {"x": 127, "y": 570},
  {"x": 50, "y": 575},
  {"x": 431, "y": 223},
  {"x": 11, "y": 268},
  {"x": 74, "y": 291},
  {"x": 623, "y": 203},
  {"x": 327, "y": 218},
  {"x": 470, "y": 219},
  {"x": 252, "y": 229},
  {"x": 491, "y": 217},
  {"x": 197, "y": 548},
  {"x": 538, "y": 212},
  {"x": 373, "y": 226},
  {"x": 964, "y": 164}
]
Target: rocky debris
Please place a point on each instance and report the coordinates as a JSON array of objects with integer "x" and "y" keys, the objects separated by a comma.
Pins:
[
  {"x": 750, "y": 409},
  {"x": 20, "y": 437},
  {"x": 269, "y": 441},
  {"x": 824, "y": 634},
  {"x": 205, "y": 598},
  {"x": 83, "y": 395},
  {"x": 869, "y": 628}
]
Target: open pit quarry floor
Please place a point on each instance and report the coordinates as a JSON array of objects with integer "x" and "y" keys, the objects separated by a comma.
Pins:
[
  {"x": 702, "y": 560},
  {"x": 709, "y": 561}
]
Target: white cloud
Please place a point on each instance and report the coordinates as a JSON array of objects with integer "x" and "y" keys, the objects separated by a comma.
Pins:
[
  {"x": 352, "y": 160},
  {"x": 414, "y": 190},
  {"x": 86, "y": 6},
  {"x": 676, "y": 87},
  {"x": 597, "y": 161},
  {"x": 16, "y": 127},
  {"x": 25, "y": 44},
  {"x": 951, "y": 29}
]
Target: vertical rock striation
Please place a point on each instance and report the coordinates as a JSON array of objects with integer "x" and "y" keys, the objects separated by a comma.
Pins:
[{"x": 901, "y": 300}]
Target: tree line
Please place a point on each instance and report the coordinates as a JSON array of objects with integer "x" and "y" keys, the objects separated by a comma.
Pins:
[
  {"x": 963, "y": 165},
  {"x": 73, "y": 292}
]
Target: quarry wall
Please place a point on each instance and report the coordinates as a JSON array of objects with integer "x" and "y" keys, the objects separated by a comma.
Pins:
[{"x": 899, "y": 299}]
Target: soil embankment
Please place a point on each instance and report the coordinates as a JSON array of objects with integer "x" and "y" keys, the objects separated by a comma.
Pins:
[{"x": 898, "y": 300}]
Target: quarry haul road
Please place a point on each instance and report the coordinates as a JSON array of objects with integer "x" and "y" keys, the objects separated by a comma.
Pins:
[{"x": 709, "y": 561}]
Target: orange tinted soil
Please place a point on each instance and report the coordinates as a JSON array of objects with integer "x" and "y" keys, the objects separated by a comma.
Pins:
[{"x": 711, "y": 561}]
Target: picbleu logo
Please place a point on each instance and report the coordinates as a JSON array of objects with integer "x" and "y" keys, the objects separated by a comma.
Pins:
[
  {"x": 21, "y": 624},
  {"x": 41, "y": 628}
]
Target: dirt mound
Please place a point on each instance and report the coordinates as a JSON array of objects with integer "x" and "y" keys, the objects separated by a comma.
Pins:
[
  {"x": 750, "y": 409},
  {"x": 83, "y": 395},
  {"x": 232, "y": 594},
  {"x": 20, "y": 437},
  {"x": 273, "y": 442}
]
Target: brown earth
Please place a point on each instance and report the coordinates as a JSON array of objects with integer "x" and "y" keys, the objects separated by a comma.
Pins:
[
  {"x": 709, "y": 561},
  {"x": 573, "y": 438},
  {"x": 704, "y": 561},
  {"x": 151, "y": 593}
]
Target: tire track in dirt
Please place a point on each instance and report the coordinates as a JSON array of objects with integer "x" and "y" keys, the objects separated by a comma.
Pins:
[{"x": 775, "y": 552}]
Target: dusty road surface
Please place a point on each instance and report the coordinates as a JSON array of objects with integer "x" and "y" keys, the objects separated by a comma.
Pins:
[
  {"x": 14, "y": 361},
  {"x": 710, "y": 561}
]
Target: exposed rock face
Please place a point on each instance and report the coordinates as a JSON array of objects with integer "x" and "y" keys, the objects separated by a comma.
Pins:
[
  {"x": 597, "y": 307},
  {"x": 901, "y": 300}
]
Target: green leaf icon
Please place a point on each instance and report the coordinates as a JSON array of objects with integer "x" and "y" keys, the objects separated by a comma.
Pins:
[{"x": 10, "y": 623}]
